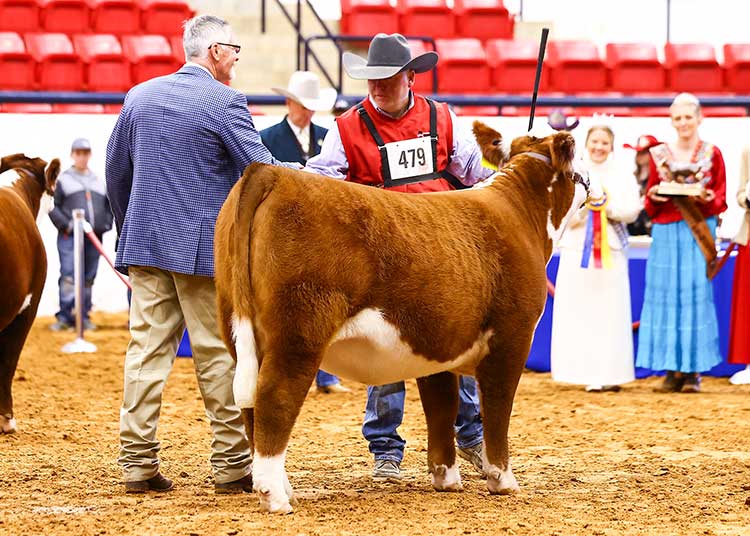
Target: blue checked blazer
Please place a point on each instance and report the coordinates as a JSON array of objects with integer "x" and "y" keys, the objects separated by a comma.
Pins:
[{"x": 179, "y": 145}]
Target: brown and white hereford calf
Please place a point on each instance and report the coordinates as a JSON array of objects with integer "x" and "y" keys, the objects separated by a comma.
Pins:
[
  {"x": 377, "y": 286},
  {"x": 23, "y": 267}
]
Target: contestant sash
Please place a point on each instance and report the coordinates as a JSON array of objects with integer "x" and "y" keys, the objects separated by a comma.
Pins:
[{"x": 701, "y": 233}]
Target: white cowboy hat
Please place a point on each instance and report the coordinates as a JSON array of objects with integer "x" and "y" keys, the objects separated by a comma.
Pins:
[
  {"x": 387, "y": 55},
  {"x": 304, "y": 88}
]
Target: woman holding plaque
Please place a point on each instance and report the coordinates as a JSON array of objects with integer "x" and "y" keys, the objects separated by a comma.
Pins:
[
  {"x": 686, "y": 191},
  {"x": 592, "y": 334}
]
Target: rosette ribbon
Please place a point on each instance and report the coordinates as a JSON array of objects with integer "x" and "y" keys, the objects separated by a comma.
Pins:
[{"x": 596, "y": 241}]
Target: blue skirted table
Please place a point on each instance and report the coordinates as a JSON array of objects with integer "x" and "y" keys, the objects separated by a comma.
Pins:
[{"x": 539, "y": 357}]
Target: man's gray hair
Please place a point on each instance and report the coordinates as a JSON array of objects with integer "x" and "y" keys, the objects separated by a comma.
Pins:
[{"x": 200, "y": 32}]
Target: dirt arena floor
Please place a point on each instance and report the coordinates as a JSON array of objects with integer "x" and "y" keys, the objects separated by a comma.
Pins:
[{"x": 628, "y": 463}]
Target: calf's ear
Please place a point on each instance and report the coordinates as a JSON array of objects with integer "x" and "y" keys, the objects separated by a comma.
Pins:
[
  {"x": 562, "y": 151},
  {"x": 50, "y": 175},
  {"x": 490, "y": 143}
]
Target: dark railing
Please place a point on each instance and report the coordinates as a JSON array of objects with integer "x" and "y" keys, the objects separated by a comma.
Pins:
[
  {"x": 459, "y": 100},
  {"x": 301, "y": 41},
  {"x": 362, "y": 39}
]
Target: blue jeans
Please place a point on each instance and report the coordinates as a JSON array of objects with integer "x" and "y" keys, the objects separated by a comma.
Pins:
[
  {"x": 385, "y": 412},
  {"x": 66, "y": 283},
  {"x": 323, "y": 379}
]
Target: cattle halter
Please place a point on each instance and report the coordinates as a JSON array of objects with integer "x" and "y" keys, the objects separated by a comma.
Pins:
[{"x": 577, "y": 177}]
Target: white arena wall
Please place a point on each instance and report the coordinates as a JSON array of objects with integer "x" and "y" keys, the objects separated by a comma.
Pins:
[{"x": 49, "y": 136}]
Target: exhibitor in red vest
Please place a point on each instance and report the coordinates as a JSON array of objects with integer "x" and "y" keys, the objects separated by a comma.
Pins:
[{"x": 405, "y": 142}]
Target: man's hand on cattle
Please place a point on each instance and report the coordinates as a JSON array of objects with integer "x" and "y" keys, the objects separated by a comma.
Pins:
[
  {"x": 706, "y": 196},
  {"x": 655, "y": 197}
]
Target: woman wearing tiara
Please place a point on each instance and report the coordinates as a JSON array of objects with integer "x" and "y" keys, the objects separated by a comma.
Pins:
[
  {"x": 592, "y": 337},
  {"x": 679, "y": 331}
]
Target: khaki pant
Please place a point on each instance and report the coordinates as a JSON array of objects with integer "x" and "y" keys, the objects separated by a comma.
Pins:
[{"x": 162, "y": 304}]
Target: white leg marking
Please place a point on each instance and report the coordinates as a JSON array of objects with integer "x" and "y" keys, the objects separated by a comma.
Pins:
[
  {"x": 271, "y": 483},
  {"x": 7, "y": 425},
  {"x": 25, "y": 304},
  {"x": 446, "y": 478},
  {"x": 499, "y": 482},
  {"x": 246, "y": 372}
]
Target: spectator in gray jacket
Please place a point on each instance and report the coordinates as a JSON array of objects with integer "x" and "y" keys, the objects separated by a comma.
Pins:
[{"x": 78, "y": 187}]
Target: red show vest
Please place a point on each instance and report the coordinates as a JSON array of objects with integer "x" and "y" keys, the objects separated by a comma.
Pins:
[{"x": 362, "y": 152}]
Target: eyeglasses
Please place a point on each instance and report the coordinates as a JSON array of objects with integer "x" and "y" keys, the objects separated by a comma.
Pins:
[{"x": 230, "y": 45}]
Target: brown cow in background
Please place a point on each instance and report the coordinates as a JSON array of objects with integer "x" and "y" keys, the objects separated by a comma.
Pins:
[
  {"x": 23, "y": 268},
  {"x": 378, "y": 286}
]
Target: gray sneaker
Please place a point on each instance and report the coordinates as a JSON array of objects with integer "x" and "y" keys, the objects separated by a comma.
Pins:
[
  {"x": 474, "y": 456},
  {"x": 60, "y": 326},
  {"x": 386, "y": 471}
]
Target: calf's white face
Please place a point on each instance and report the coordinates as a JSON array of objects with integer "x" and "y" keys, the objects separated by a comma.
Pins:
[{"x": 579, "y": 198}]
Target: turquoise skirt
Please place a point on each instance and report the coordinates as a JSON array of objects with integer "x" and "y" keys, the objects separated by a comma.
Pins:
[{"x": 679, "y": 330}]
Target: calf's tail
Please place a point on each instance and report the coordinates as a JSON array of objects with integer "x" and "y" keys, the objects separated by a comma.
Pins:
[{"x": 256, "y": 183}]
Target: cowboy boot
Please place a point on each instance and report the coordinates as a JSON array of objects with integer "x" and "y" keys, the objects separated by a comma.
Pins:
[
  {"x": 671, "y": 384},
  {"x": 692, "y": 383}
]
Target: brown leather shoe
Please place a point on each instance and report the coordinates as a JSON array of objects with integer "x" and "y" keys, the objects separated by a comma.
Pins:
[
  {"x": 243, "y": 485},
  {"x": 158, "y": 483}
]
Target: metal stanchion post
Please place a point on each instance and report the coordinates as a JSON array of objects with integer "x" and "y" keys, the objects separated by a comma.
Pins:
[{"x": 79, "y": 345}]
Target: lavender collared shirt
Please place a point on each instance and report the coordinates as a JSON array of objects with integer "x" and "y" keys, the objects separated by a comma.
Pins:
[{"x": 465, "y": 158}]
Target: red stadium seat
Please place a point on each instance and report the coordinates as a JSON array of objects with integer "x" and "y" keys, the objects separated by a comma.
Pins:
[
  {"x": 65, "y": 16},
  {"x": 26, "y": 108},
  {"x": 422, "y": 81},
  {"x": 115, "y": 16},
  {"x": 19, "y": 15},
  {"x": 724, "y": 111},
  {"x": 431, "y": 18},
  {"x": 164, "y": 17},
  {"x": 106, "y": 66},
  {"x": 58, "y": 66},
  {"x": 483, "y": 19},
  {"x": 150, "y": 56},
  {"x": 366, "y": 17},
  {"x": 178, "y": 51},
  {"x": 737, "y": 67},
  {"x": 576, "y": 66},
  {"x": 16, "y": 65},
  {"x": 513, "y": 65},
  {"x": 476, "y": 110},
  {"x": 463, "y": 66},
  {"x": 608, "y": 110},
  {"x": 693, "y": 67},
  {"x": 81, "y": 108},
  {"x": 635, "y": 67}
]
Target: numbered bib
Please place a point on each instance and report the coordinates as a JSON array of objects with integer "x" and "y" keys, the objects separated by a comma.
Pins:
[{"x": 409, "y": 158}]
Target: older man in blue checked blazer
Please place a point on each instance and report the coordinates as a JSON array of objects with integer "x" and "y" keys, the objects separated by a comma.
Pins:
[{"x": 179, "y": 145}]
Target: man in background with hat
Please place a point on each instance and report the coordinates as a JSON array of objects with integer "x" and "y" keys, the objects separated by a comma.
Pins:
[
  {"x": 404, "y": 142},
  {"x": 296, "y": 139},
  {"x": 78, "y": 187}
]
